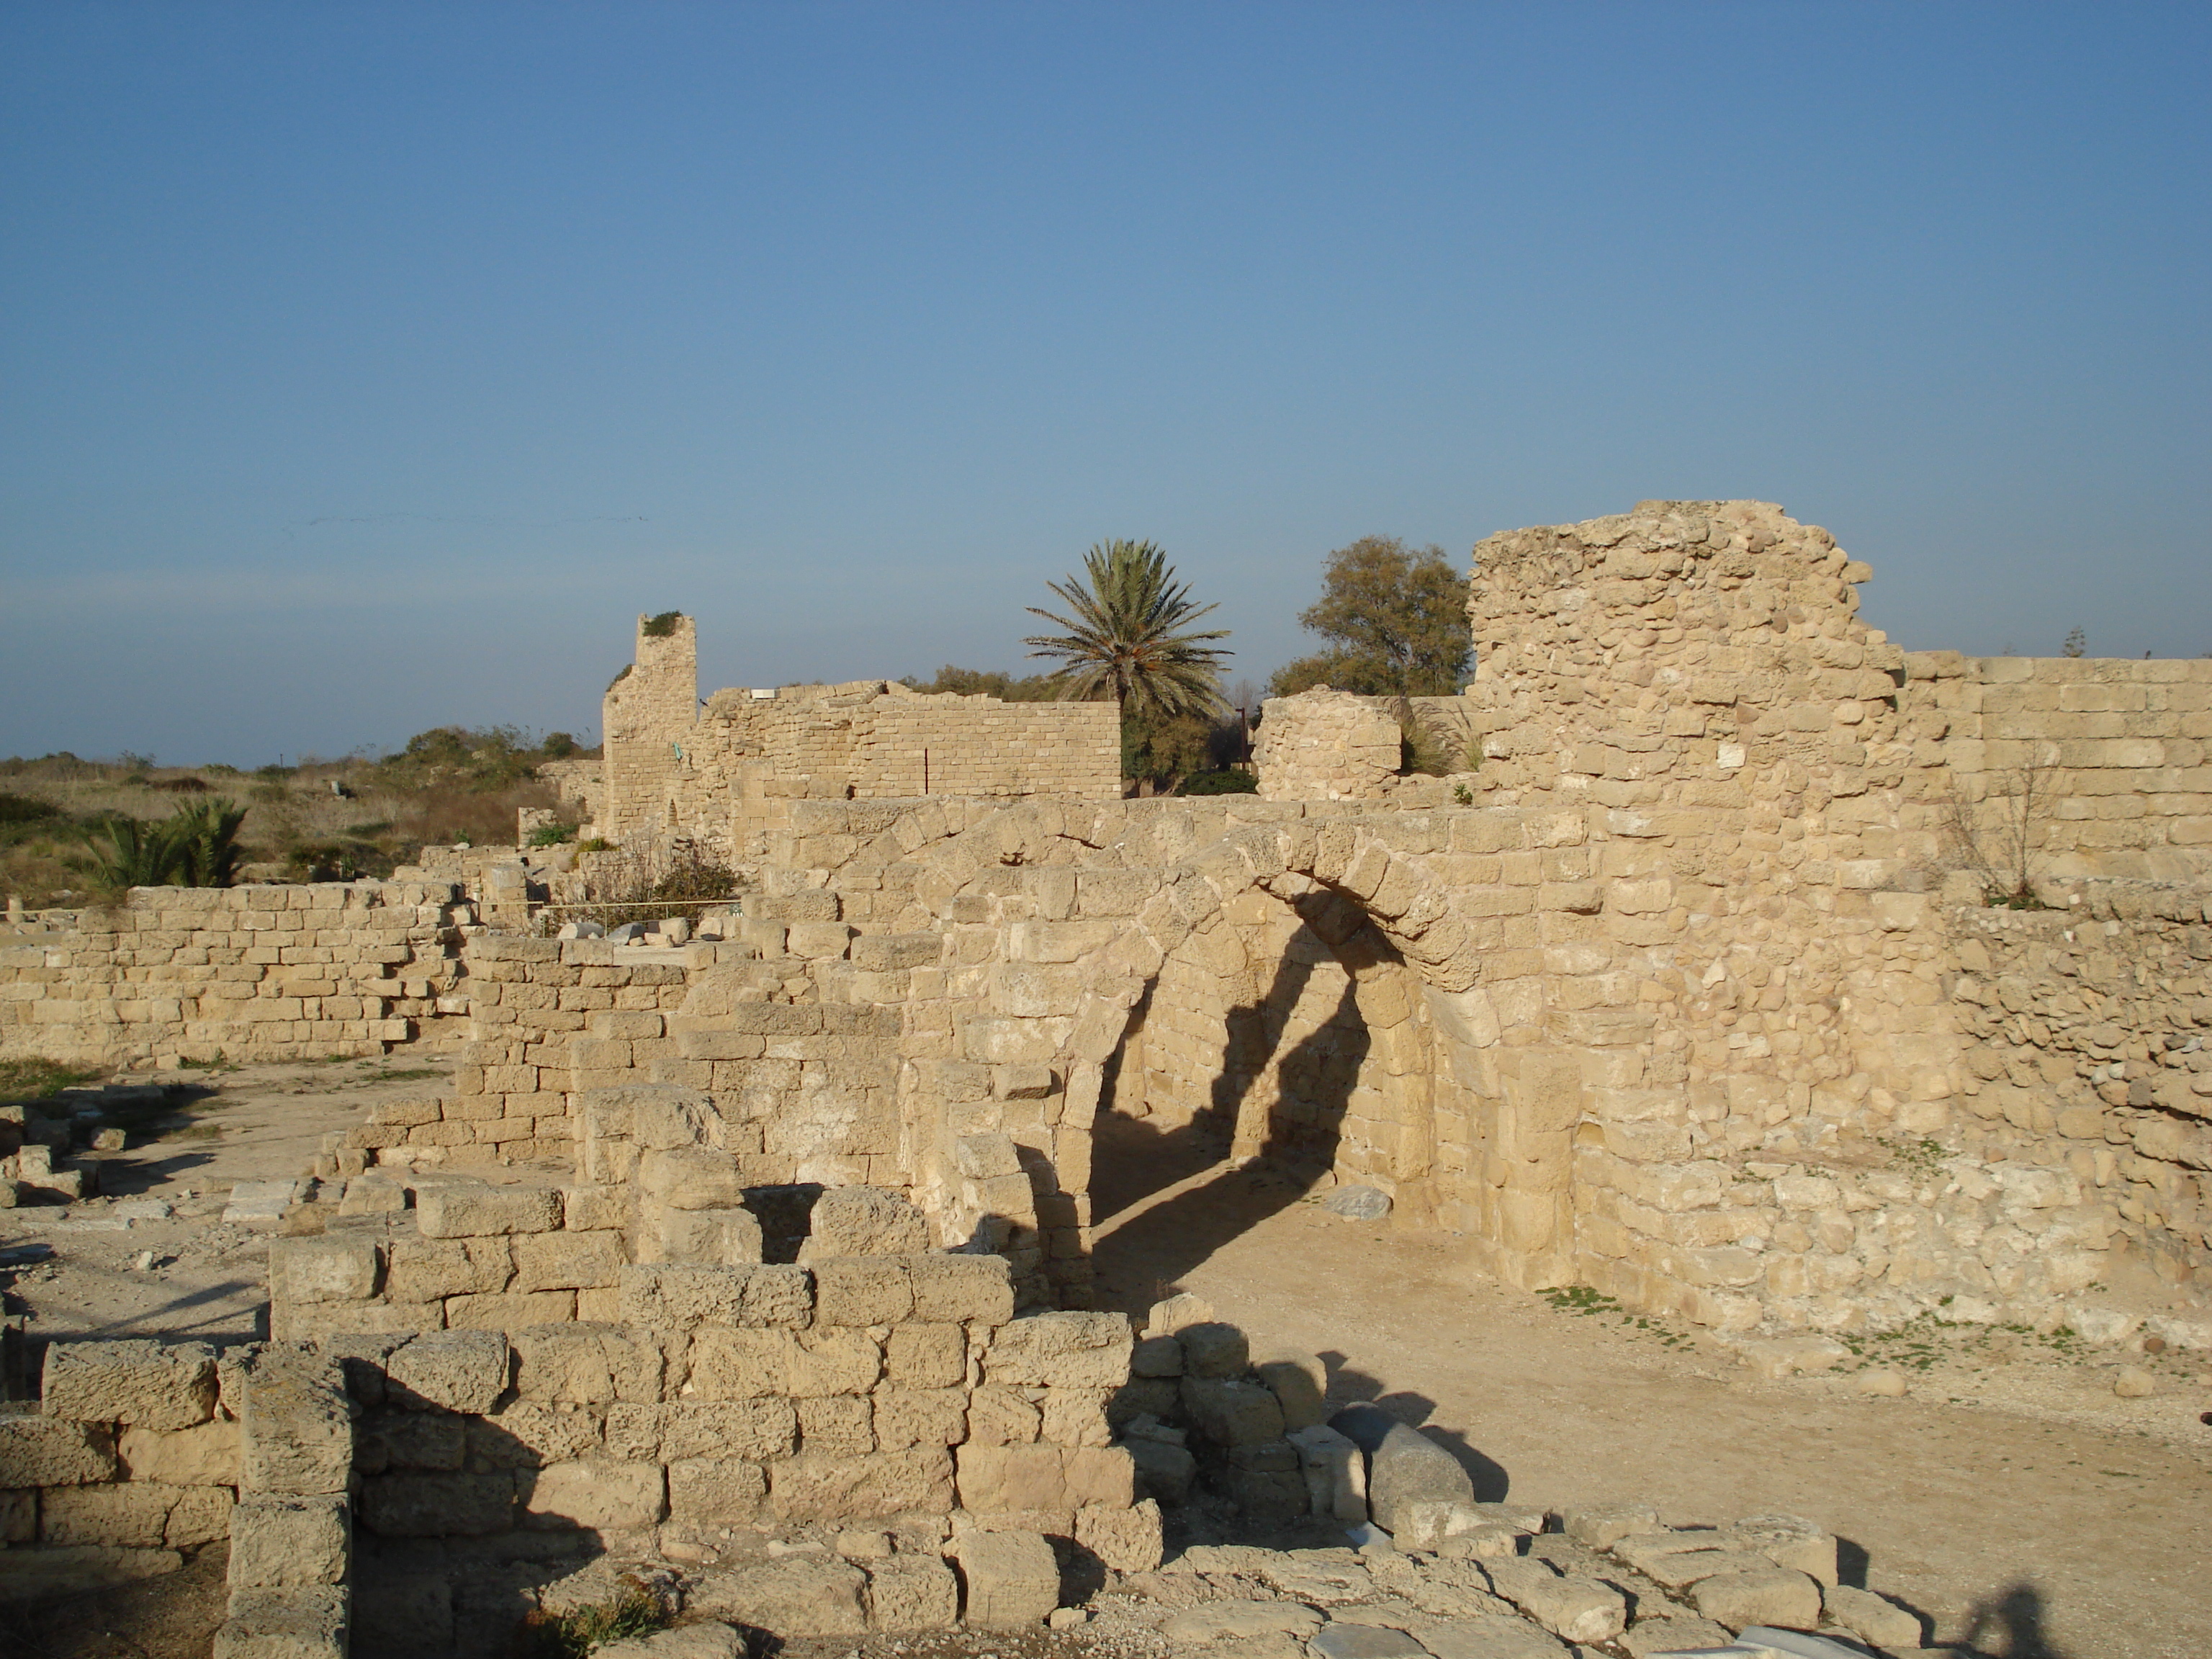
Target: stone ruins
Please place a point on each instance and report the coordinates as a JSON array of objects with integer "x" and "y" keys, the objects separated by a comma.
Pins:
[{"x": 1685, "y": 983}]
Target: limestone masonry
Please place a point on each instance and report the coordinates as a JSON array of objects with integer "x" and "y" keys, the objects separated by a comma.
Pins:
[{"x": 1685, "y": 981}]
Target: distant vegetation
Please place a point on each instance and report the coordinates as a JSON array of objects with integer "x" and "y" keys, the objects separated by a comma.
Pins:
[{"x": 72, "y": 831}]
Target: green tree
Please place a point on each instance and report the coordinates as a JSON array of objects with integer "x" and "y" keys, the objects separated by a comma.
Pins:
[
  {"x": 987, "y": 682},
  {"x": 1395, "y": 621},
  {"x": 1129, "y": 637}
]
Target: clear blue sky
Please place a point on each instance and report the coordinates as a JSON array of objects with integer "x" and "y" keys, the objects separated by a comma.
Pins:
[{"x": 365, "y": 368}]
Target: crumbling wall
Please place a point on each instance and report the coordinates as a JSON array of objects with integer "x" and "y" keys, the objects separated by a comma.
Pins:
[
  {"x": 2114, "y": 750},
  {"x": 1325, "y": 746},
  {"x": 239, "y": 972},
  {"x": 2090, "y": 1061}
]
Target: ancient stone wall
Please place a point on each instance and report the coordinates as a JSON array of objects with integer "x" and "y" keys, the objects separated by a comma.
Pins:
[
  {"x": 725, "y": 774},
  {"x": 239, "y": 972},
  {"x": 2114, "y": 753}
]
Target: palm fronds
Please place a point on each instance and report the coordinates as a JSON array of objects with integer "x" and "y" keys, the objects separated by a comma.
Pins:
[
  {"x": 1128, "y": 636},
  {"x": 196, "y": 847}
]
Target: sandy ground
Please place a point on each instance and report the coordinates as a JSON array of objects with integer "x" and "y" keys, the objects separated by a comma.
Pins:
[
  {"x": 76, "y": 1272},
  {"x": 2014, "y": 1499}
]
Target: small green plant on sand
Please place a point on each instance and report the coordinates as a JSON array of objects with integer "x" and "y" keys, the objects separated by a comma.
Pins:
[
  {"x": 33, "y": 1077},
  {"x": 635, "y": 1612},
  {"x": 1922, "y": 1158}
]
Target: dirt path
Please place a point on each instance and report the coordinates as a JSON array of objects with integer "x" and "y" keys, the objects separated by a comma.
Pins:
[{"x": 2017, "y": 1501}]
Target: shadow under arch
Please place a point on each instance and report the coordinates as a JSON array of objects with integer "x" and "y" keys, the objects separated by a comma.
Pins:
[{"x": 1258, "y": 1155}]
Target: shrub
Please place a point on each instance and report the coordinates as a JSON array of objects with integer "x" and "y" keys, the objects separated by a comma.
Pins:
[
  {"x": 1227, "y": 782},
  {"x": 33, "y": 1078},
  {"x": 552, "y": 834},
  {"x": 195, "y": 846},
  {"x": 635, "y": 1611},
  {"x": 660, "y": 627}
]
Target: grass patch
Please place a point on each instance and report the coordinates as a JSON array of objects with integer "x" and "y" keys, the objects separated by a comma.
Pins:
[
  {"x": 35, "y": 1078},
  {"x": 635, "y": 1612},
  {"x": 1922, "y": 1158}
]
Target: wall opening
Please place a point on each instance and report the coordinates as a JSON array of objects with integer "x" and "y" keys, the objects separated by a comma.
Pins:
[{"x": 1252, "y": 1073}]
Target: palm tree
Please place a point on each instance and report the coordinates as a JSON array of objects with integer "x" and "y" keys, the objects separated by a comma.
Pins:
[{"x": 1129, "y": 638}]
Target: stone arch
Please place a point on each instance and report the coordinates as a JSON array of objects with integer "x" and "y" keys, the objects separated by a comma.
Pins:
[{"x": 1059, "y": 921}]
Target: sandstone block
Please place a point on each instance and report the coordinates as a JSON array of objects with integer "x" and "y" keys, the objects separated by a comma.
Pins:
[
  {"x": 864, "y": 1221},
  {"x": 1156, "y": 1356},
  {"x": 682, "y": 1298},
  {"x": 295, "y": 1428},
  {"x": 1061, "y": 1350},
  {"x": 724, "y": 1237},
  {"x": 1004, "y": 1417},
  {"x": 1232, "y": 1413},
  {"x": 1232, "y": 1621},
  {"x": 1184, "y": 1308},
  {"x": 599, "y": 1496},
  {"x": 567, "y": 1260},
  {"x": 1164, "y": 1471},
  {"x": 204, "y": 1455},
  {"x": 132, "y": 1515},
  {"x": 1881, "y": 1623},
  {"x": 148, "y": 1385},
  {"x": 1100, "y": 1474},
  {"x": 511, "y": 1310},
  {"x": 861, "y": 1291},
  {"x": 457, "y": 1370},
  {"x": 1300, "y": 1384},
  {"x": 1404, "y": 1466},
  {"x": 1680, "y": 1633},
  {"x": 920, "y": 1417},
  {"x": 279, "y": 1543},
  {"x": 437, "y": 1506},
  {"x": 1607, "y": 1524},
  {"x": 1012, "y": 1579},
  {"x": 722, "y": 1490},
  {"x": 465, "y": 1210},
  {"x": 757, "y": 1429},
  {"x": 926, "y": 1357},
  {"x": 1767, "y": 1596},
  {"x": 24, "y": 1573},
  {"x": 585, "y": 1365},
  {"x": 840, "y": 1425},
  {"x": 1788, "y": 1541},
  {"x": 1579, "y": 1609},
  {"x": 812, "y": 1487},
  {"x": 336, "y": 1268},
  {"x": 1213, "y": 1349},
  {"x": 912, "y": 1592},
  {"x": 976, "y": 1289},
  {"x": 684, "y": 1642},
  {"x": 49, "y": 1451},
  {"x": 797, "y": 1595},
  {"x": 1002, "y": 1478},
  {"x": 1127, "y": 1540},
  {"x": 305, "y": 1623},
  {"x": 692, "y": 1178},
  {"x": 431, "y": 1269}
]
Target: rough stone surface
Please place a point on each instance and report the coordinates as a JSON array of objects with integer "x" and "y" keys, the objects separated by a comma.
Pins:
[
  {"x": 1012, "y": 1579},
  {"x": 1769, "y": 1596},
  {"x": 281, "y": 1543},
  {"x": 798, "y": 1596},
  {"x": 146, "y": 1384}
]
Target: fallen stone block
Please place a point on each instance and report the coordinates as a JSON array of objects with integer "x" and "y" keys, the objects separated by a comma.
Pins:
[
  {"x": 1183, "y": 1309},
  {"x": 1364, "y": 1642},
  {"x": 307, "y": 1623},
  {"x": 1492, "y": 1636},
  {"x": 41, "y": 1571},
  {"x": 1871, "y": 1617},
  {"x": 1164, "y": 1471},
  {"x": 1577, "y": 1608},
  {"x": 1769, "y": 1596},
  {"x": 52, "y": 1451},
  {"x": 1335, "y": 1473},
  {"x": 1404, "y": 1466},
  {"x": 148, "y": 1385},
  {"x": 260, "y": 1204},
  {"x": 1012, "y": 1579},
  {"x": 1774, "y": 1357},
  {"x": 282, "y": 1543},
  {"x": 1607, "y": 1524},
  {"x": 1357, "y": 1203},
  {"x": 1300, "y": 1384},
  {"x": 797, "y": 1595},
  {"x": 912, "y": 1592},
  {"x": 1788, "y": 1541},
  {"x": 1680, "y": 1633},
  {"x": 1221, "y": 1621}
]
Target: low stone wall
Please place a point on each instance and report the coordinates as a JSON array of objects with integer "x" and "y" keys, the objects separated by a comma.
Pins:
[{"x": 239, "y": 972}]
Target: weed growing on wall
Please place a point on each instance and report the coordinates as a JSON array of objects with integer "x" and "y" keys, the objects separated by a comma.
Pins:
[{"x": 2000, "y": 838}]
